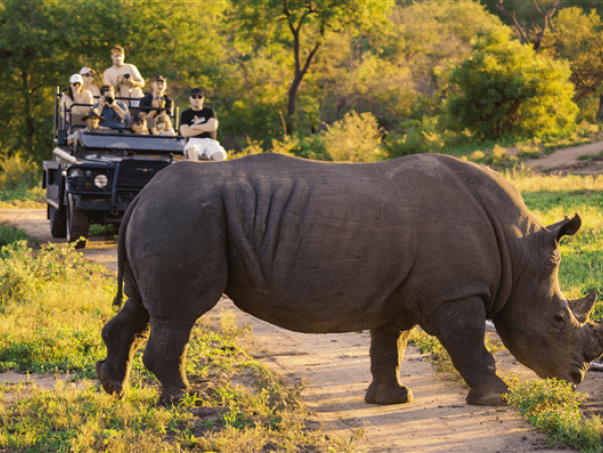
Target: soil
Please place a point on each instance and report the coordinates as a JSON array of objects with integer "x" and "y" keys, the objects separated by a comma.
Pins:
[{"x": 336, "y": 369}]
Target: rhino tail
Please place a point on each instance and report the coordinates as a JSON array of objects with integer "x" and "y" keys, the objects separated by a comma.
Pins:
[{"x": 121, "y": 253}]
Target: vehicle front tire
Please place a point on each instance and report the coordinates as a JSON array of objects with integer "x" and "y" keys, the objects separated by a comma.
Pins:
[
  {"x": 78, "y": 223},
  {"x": 58, "y": 222}
]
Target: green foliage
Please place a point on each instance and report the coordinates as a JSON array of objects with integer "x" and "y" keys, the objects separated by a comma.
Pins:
[
  {"x": 576, "y": 37},
  {"x": 10, "y": 234},
  {"x": 356, "y": 138},
  {"x": 505, "y": 88},
  {"x": 552, "y": 406},
  {"x": 53, "y": 305}
]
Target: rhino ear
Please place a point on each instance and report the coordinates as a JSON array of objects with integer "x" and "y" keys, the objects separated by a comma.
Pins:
[
  {"x": 582, "y": 307},
  {"x": 567, "y": 227}
]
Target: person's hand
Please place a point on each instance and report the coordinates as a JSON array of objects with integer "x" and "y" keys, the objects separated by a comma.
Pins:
[{"x": 158, "y": 102}]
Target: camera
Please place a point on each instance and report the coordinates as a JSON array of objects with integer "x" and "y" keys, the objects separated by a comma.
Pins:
[
  {"x": 126, "y": 76},
  {"x": 110, "y": 100}
]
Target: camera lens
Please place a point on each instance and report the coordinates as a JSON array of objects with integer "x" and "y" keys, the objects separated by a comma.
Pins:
[{"x": 127, "y": 76}]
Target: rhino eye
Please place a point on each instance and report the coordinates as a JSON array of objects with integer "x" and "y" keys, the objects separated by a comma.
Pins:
[{"x": 560, "y": 318}]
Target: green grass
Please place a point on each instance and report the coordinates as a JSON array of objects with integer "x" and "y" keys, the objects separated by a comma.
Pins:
[
  {"x": 22, "y": 197},
  {"x": 10, "y": 234},
  {"x": 53, "y": 304},
  {"x": 553, "y": 406}
]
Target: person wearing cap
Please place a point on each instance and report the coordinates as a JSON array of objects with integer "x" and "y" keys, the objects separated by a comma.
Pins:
[
  {"x": 124, "y": 77},
  {"x": 92, "y": 120},
  {"x": 115, "y": 113},
  {"x": 75, "y": 95},
  {"x": 200, "y": 125},
  {"x": 139, "y": 126},
  {"x": 157, "y": 98},
  {"x": 88, "y": 77}
]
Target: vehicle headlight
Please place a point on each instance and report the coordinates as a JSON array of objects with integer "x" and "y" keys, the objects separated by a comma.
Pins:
[{"x": 101, "y": 181}]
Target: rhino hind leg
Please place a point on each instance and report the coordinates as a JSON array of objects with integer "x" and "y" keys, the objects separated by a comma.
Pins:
[
  {"x": 165, "y": 356},
  {"x": 387, "y": 351},
  {"x": 122, "y": 335}
]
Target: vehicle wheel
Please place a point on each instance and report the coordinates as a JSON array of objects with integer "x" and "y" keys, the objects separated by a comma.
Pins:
[
  {"x": 78, "y": 223},
  {"x": 58, "y": 226}
]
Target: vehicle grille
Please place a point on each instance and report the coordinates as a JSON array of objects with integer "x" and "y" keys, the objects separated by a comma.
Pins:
[{"x": 136, "y": 173}]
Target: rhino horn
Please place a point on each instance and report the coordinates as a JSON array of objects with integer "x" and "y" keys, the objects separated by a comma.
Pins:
[{"x": 582, "y": 307}]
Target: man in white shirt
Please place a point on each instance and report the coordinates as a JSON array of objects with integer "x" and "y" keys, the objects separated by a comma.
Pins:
[{"x": 124, "y": 77}]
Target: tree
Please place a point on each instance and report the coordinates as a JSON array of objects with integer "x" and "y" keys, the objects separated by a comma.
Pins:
[
  {"x": 36, "y": 56},
  {"x": 576, "y": 37},
  {"x": 307, "y": 21},
  {"x": 505, "y": 88}
]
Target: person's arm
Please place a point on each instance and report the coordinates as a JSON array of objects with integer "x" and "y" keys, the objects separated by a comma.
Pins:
[
  {"x": 122, "y": 112},
  {"x": 87, "y": 97},
  {"x": 135, "y": 80},
  {"x": 124, "y": 109},
  {"x": 106, "y": 78}
]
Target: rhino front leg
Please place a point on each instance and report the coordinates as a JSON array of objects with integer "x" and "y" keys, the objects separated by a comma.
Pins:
[
  {"x": 463, "y": 338},
  {"x": 122, "y": 335},
  {"x": 387, "y": 351}
]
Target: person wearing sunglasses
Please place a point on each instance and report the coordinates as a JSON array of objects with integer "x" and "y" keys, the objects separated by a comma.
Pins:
[
  {"x": 157, "y": 98},
  {"x": 88, "y": 76},
  {"x": 200, "y": 125},
  {"x": 76, "y": 95},
  {"x": 124, "y": 77}
]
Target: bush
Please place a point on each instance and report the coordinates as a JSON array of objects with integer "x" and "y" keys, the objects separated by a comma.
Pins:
[
  {"x": 18, "y": 172},
  {"x": 355, "y": 138},
  {"x": 504, "y": 88}
]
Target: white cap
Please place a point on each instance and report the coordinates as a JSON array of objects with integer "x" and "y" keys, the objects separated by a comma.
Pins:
[
  {"x": 85, "y": 70},
  {"x": 76, "y": 78}
]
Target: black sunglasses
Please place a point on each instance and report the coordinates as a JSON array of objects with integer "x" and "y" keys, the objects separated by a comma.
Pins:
[
  {"x": 197, "y": 96},
  {"x": 76, "y": 83},
  {"x": 89, "y": 75}
]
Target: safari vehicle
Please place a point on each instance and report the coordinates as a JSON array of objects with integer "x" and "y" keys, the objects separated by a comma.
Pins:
[{"x": 94, "y": 181}]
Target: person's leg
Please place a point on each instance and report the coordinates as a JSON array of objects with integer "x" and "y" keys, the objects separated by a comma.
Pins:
[{"x": 216, "y": 152}]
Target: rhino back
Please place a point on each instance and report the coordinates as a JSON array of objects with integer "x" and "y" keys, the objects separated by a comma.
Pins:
[{"x": 323, "y": 247}]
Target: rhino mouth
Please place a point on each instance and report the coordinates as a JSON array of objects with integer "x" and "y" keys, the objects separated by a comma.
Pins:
[{"x": 577, "y": 374}]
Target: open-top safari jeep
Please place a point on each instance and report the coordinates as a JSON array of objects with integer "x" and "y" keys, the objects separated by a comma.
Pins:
[{"x": 95, "y": 180}]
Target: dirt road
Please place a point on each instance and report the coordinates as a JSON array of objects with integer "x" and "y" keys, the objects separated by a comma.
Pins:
[{"x": 336, "y": 368}]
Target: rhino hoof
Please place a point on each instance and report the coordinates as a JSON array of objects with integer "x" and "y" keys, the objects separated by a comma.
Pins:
[
  {"x": 487, "y": 396},
  {"x": 380, "y": 394},
  {"x": 103, "y": 372},
  {"x": 175, "y": 396}
]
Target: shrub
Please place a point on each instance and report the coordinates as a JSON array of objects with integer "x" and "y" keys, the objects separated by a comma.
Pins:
[
  {"x": 552, "y": 406},
  {"x": 355, "y": 138},
  {"x": 504, "y": 88},
  {"x": 17, "y": 172}
]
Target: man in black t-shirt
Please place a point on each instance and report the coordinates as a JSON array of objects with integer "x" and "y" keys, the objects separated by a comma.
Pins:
[{"x": 200, "y": 125}]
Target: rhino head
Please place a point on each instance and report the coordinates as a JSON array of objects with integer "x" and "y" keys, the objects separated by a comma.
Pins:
[{"x": 541, "y": 327}]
